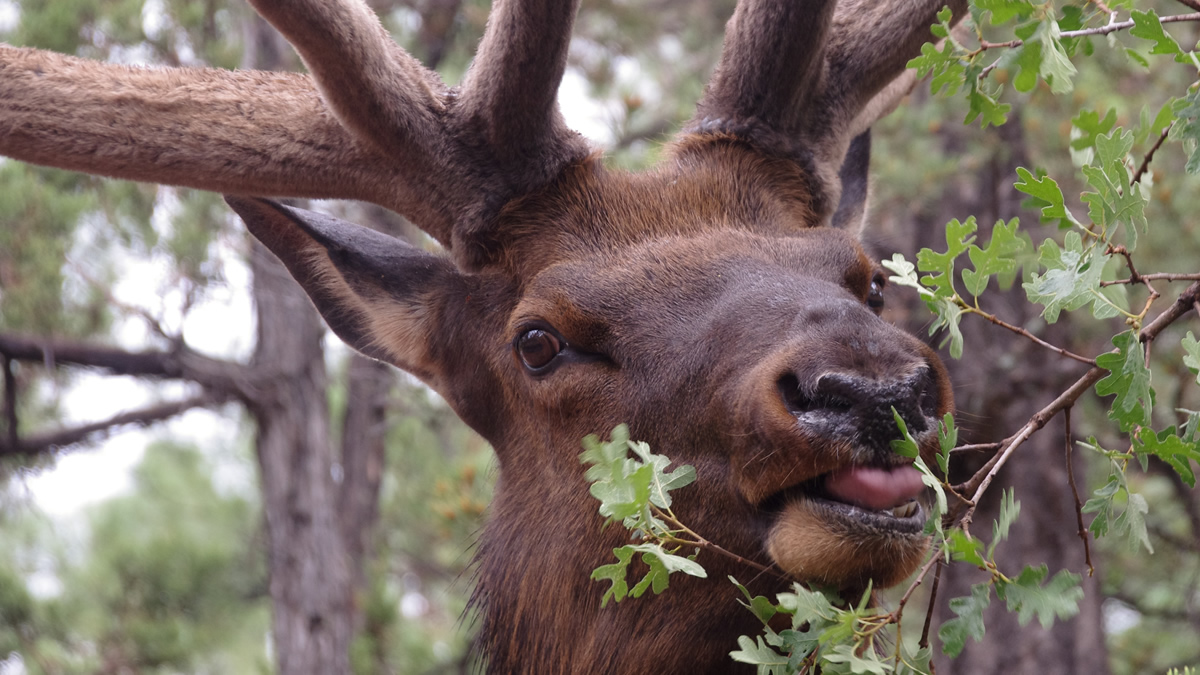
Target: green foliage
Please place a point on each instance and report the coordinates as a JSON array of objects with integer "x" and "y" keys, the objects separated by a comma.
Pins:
[
  {"x": 1029, "y": 597},
  {"x": 1187, "y": 111},
  {"x": 636, "y": 491},
  {"x": 1129, "y": 380},
  {"x": 170, "y": 580},
  {"x": 969, "y": 620}
]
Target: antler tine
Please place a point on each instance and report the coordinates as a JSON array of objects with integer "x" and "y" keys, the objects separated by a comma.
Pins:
[
  {"x": 510, "y": 93},
  {"x": 870, "y": 45},
  {"x": 770, "y": 65},
  {"x": 193, "y": 127},
  {"x": 380, "y": 93}
]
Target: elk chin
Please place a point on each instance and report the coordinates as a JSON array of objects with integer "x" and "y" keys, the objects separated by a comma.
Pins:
[{"x": 814, "y": 541}]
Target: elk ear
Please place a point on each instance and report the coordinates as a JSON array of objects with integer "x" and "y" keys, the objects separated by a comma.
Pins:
[
  {"x": 381, "y": 295},
  {"x": 851, "y": 212}
]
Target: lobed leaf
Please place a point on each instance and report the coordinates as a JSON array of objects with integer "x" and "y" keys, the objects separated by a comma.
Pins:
[
  {"x": 1191, "y": 354},
  {"x": 969, "y": 622},
  {"x": 1026, "y": 595},
  {"x": 1048, "y": 195},
  {"x": 1147, "y": 26},
  {"x": 1128, "y": 380},
  {"x": 1000, "y": 257},
  {"x": 1187, "y": 128},
  {"x": 1170, "y": 447},
  {"x": 1072, "y": 277}
]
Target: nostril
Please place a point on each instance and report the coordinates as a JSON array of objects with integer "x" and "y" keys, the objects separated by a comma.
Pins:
[
  {"x": 831, "y": 394},
  {"x": 928, "y": 399}
]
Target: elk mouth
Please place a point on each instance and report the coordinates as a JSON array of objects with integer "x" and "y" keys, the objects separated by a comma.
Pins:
[
  {"x": 851, "y": 527},
  {"x": 876, "y": 499}
]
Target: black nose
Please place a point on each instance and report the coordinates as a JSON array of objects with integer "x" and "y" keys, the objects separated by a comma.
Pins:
[{"x": 859, "y": 408}]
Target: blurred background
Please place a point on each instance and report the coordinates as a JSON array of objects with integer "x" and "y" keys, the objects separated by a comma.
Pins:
[{"x": 139, "y": 479}]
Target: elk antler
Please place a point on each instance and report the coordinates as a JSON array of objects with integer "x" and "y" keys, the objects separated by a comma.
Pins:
[
  {"x": 382, "y": 128},
  {"x": 821, "y": 91}
]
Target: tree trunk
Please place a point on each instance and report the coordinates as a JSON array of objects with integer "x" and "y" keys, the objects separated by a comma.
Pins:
[
  {"x": 308, "y": 565},
  {"x": 320, "y": 505}
]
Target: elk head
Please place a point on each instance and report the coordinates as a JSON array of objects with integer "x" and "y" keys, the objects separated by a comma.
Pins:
[{"x": 719, "y": 304}]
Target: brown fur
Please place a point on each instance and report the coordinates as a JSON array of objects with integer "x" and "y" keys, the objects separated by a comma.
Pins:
[{"x": 706, "y": 302}]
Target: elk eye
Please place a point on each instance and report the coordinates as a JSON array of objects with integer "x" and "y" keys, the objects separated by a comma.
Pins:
[
  {"x": 537, "y": 347},
  {"x": 875, "y": 296}
]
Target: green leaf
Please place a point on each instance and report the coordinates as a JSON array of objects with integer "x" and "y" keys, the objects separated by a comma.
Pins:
[
  {"x": 1128, "y": 380},
  {"x": 759, "y": 605},
  {"x": 984, "y": 106},
  {"x": 1000, "y": 257},
  {"x": 756, "y": 652},
  {"x": 1101, "y": 503},
  {"x": 1048, "y": 196},
  {"x": 866, "y": 662},
  {"x": 627, "y": 487},
  {"x": 1132, "y": 523},
  {"x": 914, "y": 663},
  {"x": 904, "y": 273},
  {"x": 1004, "y": 11},
  {"x": 948, "y": 72},
  {"x": 965, "y": 548},
  {"x": 615, "y": 573},
  {"x": 1056, "y": 67},
  {"x": 1090, "y": 125},
  {"x": 968, "y": 623},
  {"x": 1027, "y": 596},
  {"x": 941, "y": 265},
  {"x": 1191, "y": 354},
  {"x": 1010, "y": 508},
  {"x": 906, "y": 445},
  {"x": 1147, "y": 26},
  {"x": 1168, "y": 446},
  {"x": 947, "y": 440},
  {"x": 1187, "y": 130},
  {"x": 662, "y": 564},
  {"x": 1072, "y": 277},
  {"x": 1028, "y": 62},
  {"x": 808, "y": 606},
  {"x": 1148, "y": 128},
  {"x": 1115, "y": 202}
]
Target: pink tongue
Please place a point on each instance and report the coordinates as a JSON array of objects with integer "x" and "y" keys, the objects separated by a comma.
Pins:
[{"x": 873, "y": 488}]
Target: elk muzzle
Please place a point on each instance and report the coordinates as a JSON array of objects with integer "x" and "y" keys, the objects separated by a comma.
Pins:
[{"x": 843, "y": 508}]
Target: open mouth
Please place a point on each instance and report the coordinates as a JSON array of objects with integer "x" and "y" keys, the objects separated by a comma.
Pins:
[{"x": 874, "y": 497}]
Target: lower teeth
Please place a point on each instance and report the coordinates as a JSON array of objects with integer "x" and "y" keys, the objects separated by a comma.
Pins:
[{"x": 905, "y": 510}]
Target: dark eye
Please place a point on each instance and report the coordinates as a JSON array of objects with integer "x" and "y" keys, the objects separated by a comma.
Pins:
[
  {"x": 875, "y": 296},
  {"x": 537, "y": 347}
]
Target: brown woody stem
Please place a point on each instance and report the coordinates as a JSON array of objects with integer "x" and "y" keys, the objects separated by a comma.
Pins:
[{"x": 1083, "y": 532}]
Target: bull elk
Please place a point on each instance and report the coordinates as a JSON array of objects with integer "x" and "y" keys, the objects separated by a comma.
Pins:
[{"x": 720, "y": 303}]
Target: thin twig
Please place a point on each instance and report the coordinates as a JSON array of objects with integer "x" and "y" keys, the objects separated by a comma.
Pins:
[
  {"x": 1083, "y": 533},
  {"x": 1124, "y": 253},
  {"x": 1038, "y": 341},
  {"x": 1194, "y": 4},
  {"x": 1137, "y": 175},
  {"x": 982, "y": 478},
  {"x": 1086, "y": 32},
  {"x": 937, "y": 555},
  {"x": 1155, "y": 276},
  {"x": 1181, "y": 306},
  {"x": 10, "y": 400},
  {"x": 979, "y": 482},
  {"x": 979, "y": 447},
  {"x": 933, "y": 589}
]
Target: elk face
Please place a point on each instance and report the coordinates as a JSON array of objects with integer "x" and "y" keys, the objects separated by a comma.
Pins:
[{"x": 761, "y": 361}]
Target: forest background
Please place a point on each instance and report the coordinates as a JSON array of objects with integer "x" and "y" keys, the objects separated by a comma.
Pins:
[{"x": 163, "y": 307}]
